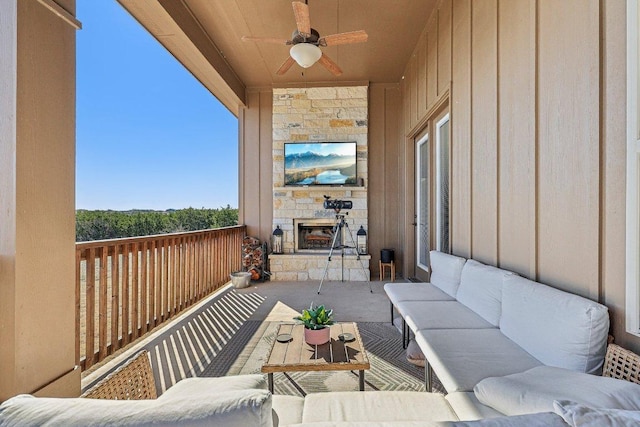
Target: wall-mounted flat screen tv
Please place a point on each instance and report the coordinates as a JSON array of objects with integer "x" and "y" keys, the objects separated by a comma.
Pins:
[{"x": 320, "y": 163}]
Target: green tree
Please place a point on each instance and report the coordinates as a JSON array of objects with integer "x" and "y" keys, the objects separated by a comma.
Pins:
[{"x": 101, "y": 224}]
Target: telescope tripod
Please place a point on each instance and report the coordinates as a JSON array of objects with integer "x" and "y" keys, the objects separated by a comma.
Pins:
[{"x": 340, "y": 224}]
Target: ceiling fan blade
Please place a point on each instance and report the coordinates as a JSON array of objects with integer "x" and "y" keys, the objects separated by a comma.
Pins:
[
  {"x": 327, "y": 63},
  {"x": 344, "y": 38},
  {"x": 285, "y": 66},
  {"x": 301, "y": 12},
  {"x": 273, "y": 40}
]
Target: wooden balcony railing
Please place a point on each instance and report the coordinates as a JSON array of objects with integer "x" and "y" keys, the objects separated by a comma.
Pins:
[{"x": 126, "y": 287}]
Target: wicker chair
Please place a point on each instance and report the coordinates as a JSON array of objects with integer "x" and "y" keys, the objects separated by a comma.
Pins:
[
  {"x": 622, "y": 364},
  {"x": 132, "y": 381}
]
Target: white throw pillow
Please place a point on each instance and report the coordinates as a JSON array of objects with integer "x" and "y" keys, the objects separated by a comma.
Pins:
[
  {"x": 535, "y": 390},
  {"x": 576, "y": 414}
]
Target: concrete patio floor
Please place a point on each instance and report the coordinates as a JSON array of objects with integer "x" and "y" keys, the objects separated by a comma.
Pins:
[
  {"x": 350, "y": 301},
  {"x": 278, "y": 301}
]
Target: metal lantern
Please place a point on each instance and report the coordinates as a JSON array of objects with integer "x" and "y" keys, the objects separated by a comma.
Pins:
[
  {"x": 277, "y": 240},
  {"x": 362, "y": 241}
]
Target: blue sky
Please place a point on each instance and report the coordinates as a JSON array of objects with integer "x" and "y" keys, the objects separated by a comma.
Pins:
[{"x": 149, "y": 135}]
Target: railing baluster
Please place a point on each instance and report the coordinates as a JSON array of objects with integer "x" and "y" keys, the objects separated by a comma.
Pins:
[
  {"x": 126, "y": 297},
  {"x": 135, "y": 296},
  {"x": 144, "y": 265},
  {"x": 115, "y": 298},
  {"x": 90, "y": 307},
  {"x": 104, "y": 300},
  {"x": 167, "y": 280},
  {"x": 189, "y": 272},
  {"x": 172, "y": 275},
  {"x": 152, "y": 285}
]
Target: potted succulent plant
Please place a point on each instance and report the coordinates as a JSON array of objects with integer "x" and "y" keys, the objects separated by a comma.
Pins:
[{"x": 316, "y": 322}]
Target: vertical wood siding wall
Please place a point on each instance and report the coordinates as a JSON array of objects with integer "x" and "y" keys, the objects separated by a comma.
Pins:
[
  {"x": 256, "y": 172},
  {"x": 536, "y": 93}
]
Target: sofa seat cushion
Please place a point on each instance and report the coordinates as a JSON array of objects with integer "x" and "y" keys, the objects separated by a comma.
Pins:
[
  {"x": 558, "y": 328},
  {"x": 288, "y": 409},
  {"x": 536, "y": 389},
  {"x": 237, "y": 408},
  {"x": 481, "y": 290},
  {"x": 440, "y": 315},
  {"x": 415, "y": 292},
  {"x": 376, "y": 406},
  {"x": 445, "y": 271},
  {"x": 463, "y": 357}
]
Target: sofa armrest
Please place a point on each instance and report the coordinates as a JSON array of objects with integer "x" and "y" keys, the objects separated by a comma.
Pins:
[{"x": 288, "y": 409}]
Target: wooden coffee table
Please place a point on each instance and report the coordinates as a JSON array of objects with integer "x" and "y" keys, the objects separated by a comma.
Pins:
[{"x": 336, "y": 355}]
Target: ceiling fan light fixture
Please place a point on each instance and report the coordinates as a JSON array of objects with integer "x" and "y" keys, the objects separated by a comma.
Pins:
[{"x": 305, "y": 54}]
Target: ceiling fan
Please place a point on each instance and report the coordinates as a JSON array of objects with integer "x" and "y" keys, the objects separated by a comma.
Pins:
[{"x": 306, "y": 42}]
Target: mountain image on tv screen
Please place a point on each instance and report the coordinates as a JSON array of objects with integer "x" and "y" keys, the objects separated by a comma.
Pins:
[{"x": 321, "y": 163}]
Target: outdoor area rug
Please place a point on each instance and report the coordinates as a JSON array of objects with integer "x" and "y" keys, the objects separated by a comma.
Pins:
[
  {"x": 389, "y": 367},
  {"x": 222, "y": 338}
]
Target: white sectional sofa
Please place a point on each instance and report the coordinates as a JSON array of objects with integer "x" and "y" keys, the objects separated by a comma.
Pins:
[
  {"x": 243, "y": 401},
  {"x": 475, "y": 321}
]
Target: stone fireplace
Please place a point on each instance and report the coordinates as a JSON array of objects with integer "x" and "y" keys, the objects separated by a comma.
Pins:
[{"x": 324, "y": 114}]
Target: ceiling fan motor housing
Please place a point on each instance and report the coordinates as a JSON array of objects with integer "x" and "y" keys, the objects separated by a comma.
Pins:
[{"x": 298, "y": 37}]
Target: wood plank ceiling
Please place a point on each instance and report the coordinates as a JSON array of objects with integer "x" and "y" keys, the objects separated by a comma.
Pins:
[{"x": 394, "y": 27}]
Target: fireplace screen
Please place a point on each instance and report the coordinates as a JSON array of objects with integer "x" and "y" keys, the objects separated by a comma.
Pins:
[{"x": 312, "y": 235}]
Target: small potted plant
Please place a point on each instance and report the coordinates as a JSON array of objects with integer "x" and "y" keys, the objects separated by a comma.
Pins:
[{"x": 316, "y": 322}]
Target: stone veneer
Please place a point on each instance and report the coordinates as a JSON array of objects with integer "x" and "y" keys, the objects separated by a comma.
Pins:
[{"x": 322, "y": 114}]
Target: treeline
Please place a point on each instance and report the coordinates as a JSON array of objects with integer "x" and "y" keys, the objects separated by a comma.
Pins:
[{"x": 99, "y": 225}]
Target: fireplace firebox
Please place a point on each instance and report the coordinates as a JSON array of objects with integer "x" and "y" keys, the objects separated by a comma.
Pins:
[{"x": 315, "y": 235}]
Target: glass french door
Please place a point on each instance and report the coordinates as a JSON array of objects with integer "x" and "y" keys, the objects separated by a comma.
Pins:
[
  {"x": 433, "y": 160},
  {"x": 442, "y": 184},
  {"x": 422, "y": 206}
]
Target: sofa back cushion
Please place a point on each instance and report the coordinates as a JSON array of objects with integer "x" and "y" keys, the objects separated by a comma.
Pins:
[
  {"x": 237, "y": 408},
  {"x": 557, "y": 328},
  {"x": 445, "y": 271},
  {"x": 481, "y": 290}
]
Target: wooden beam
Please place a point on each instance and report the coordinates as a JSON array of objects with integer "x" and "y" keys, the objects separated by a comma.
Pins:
[
  {"x": 191, "y": 27},
  {"x": 62, "y": 13}
]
